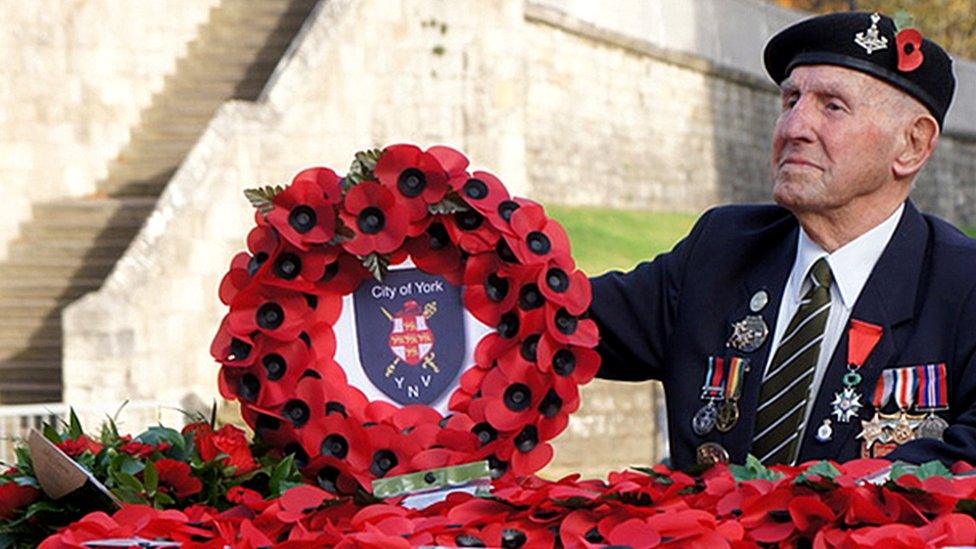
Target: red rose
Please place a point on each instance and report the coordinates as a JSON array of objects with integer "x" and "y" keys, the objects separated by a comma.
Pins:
[
  {"x": 142, "y": 450},
  {"x": 80, "y": 445},
  {"x": 14, "y": 497},
  {"x": 227, "y": 440},
  {"x": 175, "y": 478}
]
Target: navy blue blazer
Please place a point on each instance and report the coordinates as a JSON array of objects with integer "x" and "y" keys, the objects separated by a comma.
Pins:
[{"x": 664, "y": 318}]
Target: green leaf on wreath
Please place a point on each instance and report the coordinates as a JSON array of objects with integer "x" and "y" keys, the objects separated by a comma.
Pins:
[
  {"x": 74, "y": 426},
  {"x": 378, "y": 265},
  {"x": 262, "y": 198},
  {"x": 163, "y": 498},
  {"x": 967, "y": 506},
  {"x": 659, "y": 478},
  {"x": 452, "y": 203},
  {"x": 362, "y": 167},
  {"x": 753, "y": 470},
  {"x": 51, "y": 433},
  {"x": 823, "y": 469},
  {"x": 342, "y": 234},
  {"x": 151, "y": 477},
  {"x": 933, "y": 468}
]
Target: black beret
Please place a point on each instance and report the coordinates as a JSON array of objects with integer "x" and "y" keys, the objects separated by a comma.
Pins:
[{"x": 866, "y": 42}]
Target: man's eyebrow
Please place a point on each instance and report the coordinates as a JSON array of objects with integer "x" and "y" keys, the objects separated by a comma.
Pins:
[{"x": 829, "y": 89}]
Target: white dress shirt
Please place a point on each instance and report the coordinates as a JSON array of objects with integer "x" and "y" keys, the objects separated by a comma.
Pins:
[{"x": 851, "y": 264}]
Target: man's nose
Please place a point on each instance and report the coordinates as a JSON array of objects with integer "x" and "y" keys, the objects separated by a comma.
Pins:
[{"x": 798, "y": 121}]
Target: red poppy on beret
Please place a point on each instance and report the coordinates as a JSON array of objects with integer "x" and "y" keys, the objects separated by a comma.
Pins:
[{"x": 909, "y": 44}]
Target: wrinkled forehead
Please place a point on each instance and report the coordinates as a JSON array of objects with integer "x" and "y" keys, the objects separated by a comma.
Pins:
[{"x": 841, "y": 82}]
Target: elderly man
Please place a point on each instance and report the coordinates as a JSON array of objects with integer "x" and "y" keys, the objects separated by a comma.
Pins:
[{"x": 840, "y": 323}]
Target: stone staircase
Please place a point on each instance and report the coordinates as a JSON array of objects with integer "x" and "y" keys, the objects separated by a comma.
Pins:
[{"x": 69, "y": 246}]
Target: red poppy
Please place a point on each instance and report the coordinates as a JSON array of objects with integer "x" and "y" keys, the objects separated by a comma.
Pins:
[
  {"x": 512, "y": 402},
  {"x": 303, "y": 212},
  {"x": 565, "y": 287},
  {"x": 370, "y": 211},
  {"x": 810, "y": 514},
  {"x": 453, "y": 162},
  {"x": 342, "y": 276},
  {"x": 392, "y": 451},
  {"x": 471, "y": 231},
  {"x": 334, "y": 439},
  {"x": 416, "y": 178},
  {"x": 262, "y": 243},
  {"x": 571, "y": 364},
  {"x": 531, "y": 454},
  {"x": 274, "y": 312},
  {"x": 175, "y": 478},
  {"x": 488, "y": 290},
  {"x": 487, "y": 194},
  {"x": 537, "y": 239},
  {"x": 245, "y": 496},
  {"x": 909, "y": 45},
  {"x": 76, "y": 446},
  {"x": 15, "y": 497},
  {"x": 230, "y": 349},
  {"x": 766, "y": 516},
  {"x": 299, "y": 270},
  {"x": 567, "y": 328},
  {"x": 279, "y": 366},
  {"x": 434, "y": 253}
]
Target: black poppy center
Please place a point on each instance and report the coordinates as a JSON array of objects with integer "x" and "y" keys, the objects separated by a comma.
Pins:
[
  {"x": 266, "y": 423},
  {"x": 371, "y": 220},
  {"x": 593, "y": 536},
  {"x": 565, "y": 322},
  {"x": 335, "y": 407},
  {"x": 909, "y": 48},
  {"x": 255, "y": 263},
  {"x": 505, "y": 252},
  {"x": 328, "y": 479},
  {"x": 468, "y": 540},
  {"x": 411, "y": 182},
  {"x": 551, "y": 404},
  {"x": 438, "y": 236},
  {"x": 496, "y": 467},
  {"x": 508, "y": 326},
  {"x": 530, "y": 297},
  {"x": 485, "y": 433},
  {"x": 288, "y": 266},
  {"x": 270, "y": 316},
  {"x": 468, "y": 220},
  {"x": 249, "y": 387},
  {"x": 239, "y": 349},
  {"x": 530, "y": 347},
  {"x": 539, "y": 243},
  {"x": 507, "y": 208},
  {"x": 475, "y": 189},
  {"x": 302, "y": 219},
  {"x": 297, "y": 411},
  {"x": 335, "y": 446},
  {"x": 517, "y": 397},
  {"x": 557, "y": 280},
  {"x": 564, "y": 362},
  {"x": 513, "y": 539},
  {"x": 383, "y": 461},
  {"x": 527, "y": 439},
  {"x": 330, "y": 272},
  {"x": 496, "y": 287},
  {"x": 274, "y": 365},
  {"x": 301, "y": 456}
]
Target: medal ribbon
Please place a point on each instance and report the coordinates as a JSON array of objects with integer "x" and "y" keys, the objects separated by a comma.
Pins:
[
  {"x": 906, "y": 387},
  {"x": 733, "y": 386},
  {"x": 715, "y": 378},
  {"x": 882, "y": 392},
  {"x": 932, "y": 389},
  {"x": 862, "y": 337}
]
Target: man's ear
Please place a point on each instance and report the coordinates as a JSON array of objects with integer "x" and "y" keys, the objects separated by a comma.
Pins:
[{"x": 918, "y": 143}]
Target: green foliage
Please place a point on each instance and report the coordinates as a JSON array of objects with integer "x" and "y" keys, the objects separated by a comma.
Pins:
[
  {"x": 262, "y": 198},
  {"x": 924, "y": 471},
  {"x": 753, "y": 470},
  {"x": 362, "y": 167},
  {"x": 378, "y": 264}
]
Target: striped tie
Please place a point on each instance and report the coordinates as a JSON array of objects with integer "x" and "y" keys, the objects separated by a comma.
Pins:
[{"x": 786, "y": 385}]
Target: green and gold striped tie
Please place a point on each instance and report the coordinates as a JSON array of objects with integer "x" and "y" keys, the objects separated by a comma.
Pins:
[{"x": 786, "y": 385}]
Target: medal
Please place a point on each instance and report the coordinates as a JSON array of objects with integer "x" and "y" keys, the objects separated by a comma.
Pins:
[
  {"x": 728, "y": 411},
  {"x": 862, "y": 337},
  {"x": 873, "y": 431},
  {"x": 933, "y": 395},
  {"x": 711, "y": 453},
  {"x": 758, "y": 301},
  {"x": 748, "y": 334},
  {"x": 903, "y": 431},
  {"x": 906, "y": 388},
  {"x": 825, "y": 432},
  {"x": 704, "y": 420}
]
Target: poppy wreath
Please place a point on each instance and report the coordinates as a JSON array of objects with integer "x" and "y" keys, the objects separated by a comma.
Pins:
[{"x": 324, "y": 235}]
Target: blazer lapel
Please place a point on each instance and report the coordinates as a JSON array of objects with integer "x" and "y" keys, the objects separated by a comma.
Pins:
[{"x": 888, "y": 300}]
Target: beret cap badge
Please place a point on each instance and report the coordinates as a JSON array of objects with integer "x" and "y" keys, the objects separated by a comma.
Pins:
[{"x": 871, "y": 39}]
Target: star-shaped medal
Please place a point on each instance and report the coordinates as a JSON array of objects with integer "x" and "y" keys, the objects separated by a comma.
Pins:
[{"x": 846, "y": 404}]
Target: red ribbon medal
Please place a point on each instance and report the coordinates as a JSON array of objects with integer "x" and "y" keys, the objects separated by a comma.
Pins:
[{"x": 862, "y": 337}]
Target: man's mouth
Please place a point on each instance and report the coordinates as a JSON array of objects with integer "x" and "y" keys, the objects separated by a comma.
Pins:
[{"x": 792, "y": 161}]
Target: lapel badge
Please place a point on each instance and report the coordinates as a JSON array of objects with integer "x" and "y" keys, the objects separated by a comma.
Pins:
[
  {"x": 871, "y": 39},
  {"x": 825, "y": 432},
  {"x": 748, "y": 334},
  {"x": 758, "y": 301}
]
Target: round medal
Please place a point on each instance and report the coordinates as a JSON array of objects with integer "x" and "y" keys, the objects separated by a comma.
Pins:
[
  {"x": 704, "y": 420},
  {"x": 728, "y": 416},
  {"x": 932, "y": 427},
  {"x": 903, "y": 431},
  {"x": 711, "y": 453}
]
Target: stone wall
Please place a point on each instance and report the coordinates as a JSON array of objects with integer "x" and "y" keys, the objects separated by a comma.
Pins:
[{"x": 73, "y": 78}]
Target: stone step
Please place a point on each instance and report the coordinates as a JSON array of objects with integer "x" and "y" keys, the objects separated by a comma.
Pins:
[
  {"x": 152, "y": 187},
  {"x": 29, "y": 371},
  {"x": 233, "y": 53},
  {"x": 33, "y": 245},
  {"x": 27, "y": 392},
  {"x": 28, "y": 347},
  {"x": 97, "y": 210},
  {"x": 123, "y": 172},
  {"x": 226, "y": 90},
  {"x": 48, "y": 327},
  {"x": 82, "y": 223},
  {"x": 253, "y": 37},
  {"x": 59, "y": 289},
  {"x": 64, "y": 272}
]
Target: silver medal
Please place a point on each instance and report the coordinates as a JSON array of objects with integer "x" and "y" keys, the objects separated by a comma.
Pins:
[
  {"x": 846, "y": 404},
  {"x": 705, "y": 418},
  {"x": 758, "y": 301},
  {"x": 825, "y": 432},
  {"x": 748, "y": 334},
  {"x": 932, "y": 427}
]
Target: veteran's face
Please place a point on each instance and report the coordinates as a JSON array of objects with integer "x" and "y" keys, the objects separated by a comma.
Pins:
[{"x": 834, "y": 139}]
